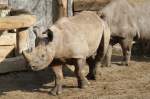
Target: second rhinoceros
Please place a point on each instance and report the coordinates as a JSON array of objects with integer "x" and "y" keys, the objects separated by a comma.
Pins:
[
  {"x": 71, "y": 41},
  {"x": 122, "y": 19}
]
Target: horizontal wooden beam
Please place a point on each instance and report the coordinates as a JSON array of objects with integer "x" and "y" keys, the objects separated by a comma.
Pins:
[
  {"x": 15, "y": 22},
  {"x": 80, "y": 5},
  {"x": 94, "y": 5},
  {"x": 5, "y": 51},
  {"x": 8, "y": 39},
  {"x": 13, "y": 64}
]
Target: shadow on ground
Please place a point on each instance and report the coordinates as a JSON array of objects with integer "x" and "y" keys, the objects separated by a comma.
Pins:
[
  {"x": 43, "y": 81},
  {"x": 117, "y": 59},
  {"x": 30, "y": 81}
]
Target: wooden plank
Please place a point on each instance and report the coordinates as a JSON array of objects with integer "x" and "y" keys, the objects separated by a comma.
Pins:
[
  {"x": 80, "y": 5},
  {"x": 94, "y": 5},
  {"x": 138, "y": 1},
  {"x": 4, "y": 2},
  {"x": 5, "y": 51},
  {"x": 8, "y": 39},
  {"x": 15, "y": 22},
  {"x": 13, "y": 64}
]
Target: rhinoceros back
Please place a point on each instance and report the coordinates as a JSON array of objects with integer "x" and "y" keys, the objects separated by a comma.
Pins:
[
  {"x": 78, "y": 36},
  {"x": 121, "y": 17}
]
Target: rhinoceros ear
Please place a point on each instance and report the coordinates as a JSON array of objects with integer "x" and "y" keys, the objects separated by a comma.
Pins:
[
  {"x": 101, "y": 14},
  {"x": 38, "y": 31},
  {"x": 49, "y": 34}
]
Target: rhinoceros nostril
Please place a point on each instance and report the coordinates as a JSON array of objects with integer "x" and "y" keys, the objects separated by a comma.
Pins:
[{"x": 34, "y": 67}]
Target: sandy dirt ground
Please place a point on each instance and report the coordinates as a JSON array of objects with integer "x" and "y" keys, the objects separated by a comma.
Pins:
[{"x": 116, "y": 82}]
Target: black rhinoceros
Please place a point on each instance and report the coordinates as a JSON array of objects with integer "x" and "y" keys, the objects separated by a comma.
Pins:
[
  {"x": 127, "y": 22},
  {"x": 71, "y": 41}
]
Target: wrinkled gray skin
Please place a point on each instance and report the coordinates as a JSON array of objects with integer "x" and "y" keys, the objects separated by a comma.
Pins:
[
  {"x": 71, "y": 41},
  {"x": 126, "y": 22}
]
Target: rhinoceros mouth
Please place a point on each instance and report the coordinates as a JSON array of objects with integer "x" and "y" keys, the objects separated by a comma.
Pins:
[
  {"x": 39, "y": 57},
  {"x": 35, "y": 68}
]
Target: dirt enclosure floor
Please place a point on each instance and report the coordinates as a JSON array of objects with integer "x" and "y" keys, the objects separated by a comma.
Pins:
[{"x": 116, "y": 82}]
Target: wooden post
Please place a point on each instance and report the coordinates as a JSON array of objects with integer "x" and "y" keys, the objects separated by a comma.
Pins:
[
  {"x": 22, "y": 40},
  {"x": 62, "y": 8},
  {"x": 70, "y": 8}
]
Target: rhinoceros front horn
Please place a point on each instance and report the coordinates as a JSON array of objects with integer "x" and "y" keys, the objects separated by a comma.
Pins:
[{"x": 27, "y": 55}]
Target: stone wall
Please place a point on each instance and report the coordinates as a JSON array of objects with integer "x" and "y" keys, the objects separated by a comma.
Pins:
[
  {"x": 45, "y": 10},
  {"x": 41, "y": 8}
]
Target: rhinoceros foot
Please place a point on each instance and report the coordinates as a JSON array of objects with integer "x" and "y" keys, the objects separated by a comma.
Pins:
[
  {"x": 91, "y": 77},
  {"x": 83, "y": 83},
  {"x": 57, "y": 90},
  {"x": 125, "y": 63}
]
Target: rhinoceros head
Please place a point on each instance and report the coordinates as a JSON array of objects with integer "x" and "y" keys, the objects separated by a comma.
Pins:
[{"x": 40, "y": 56}]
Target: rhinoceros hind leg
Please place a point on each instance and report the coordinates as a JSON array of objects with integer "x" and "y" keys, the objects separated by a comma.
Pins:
[
  {"x": 58, "y": 81},
  {"x": 82, "y": 80},
  {"x": 92, "y": 69},
  {"x": 124, "y": 63},
  {"x": 126, "y": 45}
]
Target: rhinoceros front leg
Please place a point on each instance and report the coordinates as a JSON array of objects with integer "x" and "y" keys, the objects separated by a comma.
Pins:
[
  {"x": 82, "y": 80},
  {"x": 58, "y": 80},
  {"x": 126, "y": 45}
]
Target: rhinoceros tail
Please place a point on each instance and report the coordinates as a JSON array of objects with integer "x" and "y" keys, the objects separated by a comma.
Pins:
[{"x": 103, "y": 46}]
